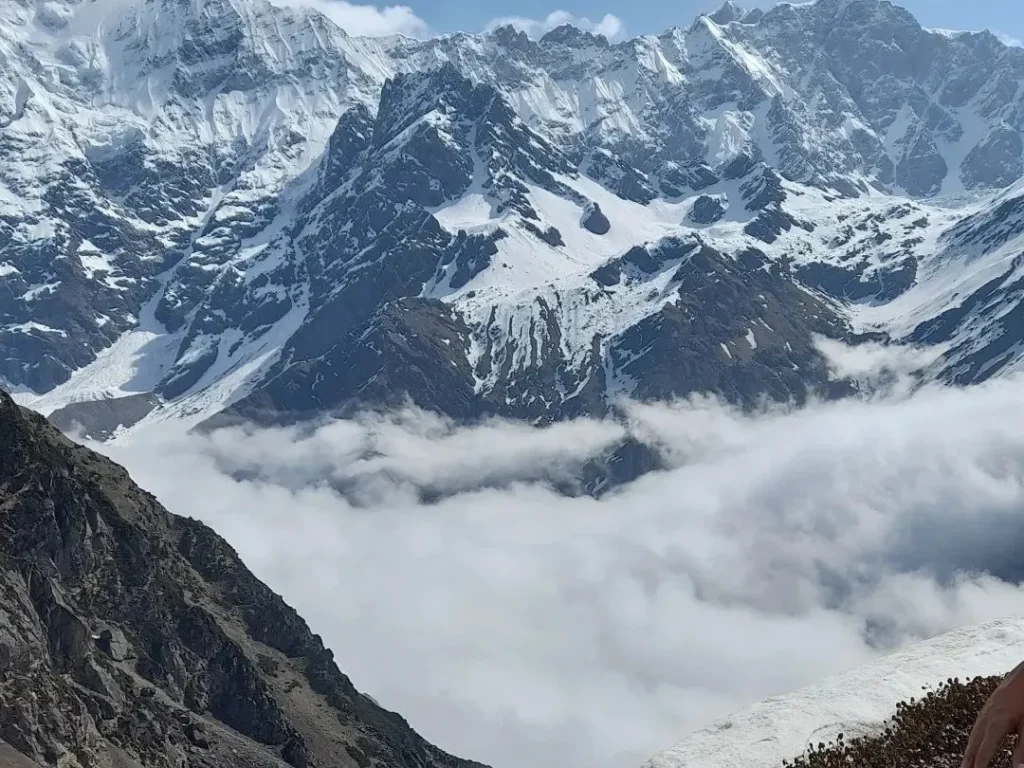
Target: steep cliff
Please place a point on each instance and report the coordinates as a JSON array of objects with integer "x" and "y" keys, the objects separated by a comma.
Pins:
[{"x": 132, "y": 637}]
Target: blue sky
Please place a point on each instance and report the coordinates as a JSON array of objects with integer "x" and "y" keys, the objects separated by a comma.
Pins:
[
  {"x": 616, "y": 18},
  {"x": 643, "y": 16}
]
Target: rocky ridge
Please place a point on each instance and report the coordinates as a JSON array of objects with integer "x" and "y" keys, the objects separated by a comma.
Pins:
[
  {"x": 230, "y": 215},
  {"x": 131, "y": 637}
]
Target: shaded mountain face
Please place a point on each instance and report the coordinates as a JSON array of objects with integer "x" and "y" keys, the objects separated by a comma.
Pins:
[
  {"x": 130, "y": 637},
  {"x": 251, "y": 211}
]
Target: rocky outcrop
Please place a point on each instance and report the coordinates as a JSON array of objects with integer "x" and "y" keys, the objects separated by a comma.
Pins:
[
  {"x": 252, "y": 242},
  {"x": 99, "y": 419},
  {"x": 594, "y": 220},
  {"x": 413, "y": 349},
  {"x": 738, "y": 326},
  {"x": 707, "y": 210},
  {"x": 134, "y": 638}
]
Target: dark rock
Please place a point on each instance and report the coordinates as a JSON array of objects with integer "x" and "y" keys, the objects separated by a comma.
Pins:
[
  {"x": 190, "y": 369},
  {"x": 996, "y": 162},
  {"x": 763, "y": 190},
  {"x": 626, "y": 463},
  {"x": 415, "y": 348},
  {"x": 739, "y": 166},
  {"x": 183, "y": 632},
  {"x": 194, "y": 732},
  {"x": 608, "y": 274},
  {"x": 551, "y": 235},
  {"x": 857, "y": 285},
  {"x": 570, "y": 35},
  {"x": 922, "y": 168},
  {"x": 594, "y": 220},
  {"x": 728, "y": 13},
  {"x": 472, "y": 254},
  {"x": 113, "y": 643},
  {"x": 99, "y": 419},
  {"x": 769, "y": 225},
  {"x": 676, "y": 180},
  {"x": 619, "y": 176},
  {"x": 511, "y": 37},
  {"x": 707, "y": 210},
  {"x": 699, "y": 343}
]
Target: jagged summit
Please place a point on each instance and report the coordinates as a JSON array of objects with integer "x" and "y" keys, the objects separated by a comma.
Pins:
[
  {"x": 728, "y": 13},
  {"x": 511, "y": 37},
  {"x": 224, "y": 210},
  {"x": 571, "y": 35}
]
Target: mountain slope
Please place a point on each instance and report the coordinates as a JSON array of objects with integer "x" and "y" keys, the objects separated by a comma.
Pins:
[
  {"x": 249, "y": 210},
  {"x": 830, "y": 92},
  {"x": 137, "y": 138},
  {"x": 855, "y": 703},
  {"x": 966, "y": 299},
  {"x": 131, "y": 637}
]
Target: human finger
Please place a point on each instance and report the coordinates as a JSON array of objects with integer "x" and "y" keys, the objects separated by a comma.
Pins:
[
  {"x": 989, "y": 745},
  {"x": 974, "y": 743},
  {"x": 1018, "y": 752}
]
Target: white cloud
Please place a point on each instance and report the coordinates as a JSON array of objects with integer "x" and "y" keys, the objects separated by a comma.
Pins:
[
  {"x": 516, "y": 626},
  {"x": 865, "y": 362},
  {"x": 367, "y": 20},
  {"x": 610, "y": 26},
  {"x": 1003, "y": 37},
  {"x": 1010, "y": 40},
  {"x": 885, "y": 370}
]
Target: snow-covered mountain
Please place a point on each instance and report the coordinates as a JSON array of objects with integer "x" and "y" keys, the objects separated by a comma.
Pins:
[
  {"x": 224, "y": 204},
  {"x": 855, "y": 703}
]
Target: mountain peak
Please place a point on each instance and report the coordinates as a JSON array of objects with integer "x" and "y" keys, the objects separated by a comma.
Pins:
[
  {"x": 567, "y": 34},
  {"x": 728, "y": 13},
  {"x": 852, "y": 11},
  {"x": 511, "y": 37},
  {"x": 408, "y": 143},
  {"x": 408, "y": 97}
]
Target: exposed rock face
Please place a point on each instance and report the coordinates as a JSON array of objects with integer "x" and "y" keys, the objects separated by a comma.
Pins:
[
  {"x": 131, "y": 638},
  {"x": 99, "y": 419},
  {"x": 459, "y": 170},
  {"x": 728, "y": 13},
  {"x": 739, "y": 326},
  {"x": 594, "y": 220},
  {"x": 707, "y": 210},
  {"x": 411, "y": 348},
  {"x": 624, "y": 464}
]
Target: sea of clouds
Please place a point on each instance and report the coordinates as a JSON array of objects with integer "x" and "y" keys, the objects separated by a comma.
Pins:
[{"x": 517, "y": 626}]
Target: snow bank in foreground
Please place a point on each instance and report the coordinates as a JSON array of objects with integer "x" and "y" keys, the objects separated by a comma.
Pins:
[{"x": 855, "y": 703}]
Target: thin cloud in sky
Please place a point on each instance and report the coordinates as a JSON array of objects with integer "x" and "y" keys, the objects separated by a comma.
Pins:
[
  {"x": 517, "y": 626},
  {"x": 368, "y": 20},
  {"x": 1009, "y": 39},
  {"x": 378, "y": 21},
  {"x": 375, "y": 21}
]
